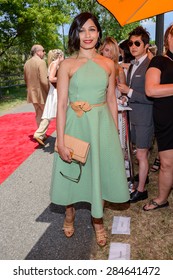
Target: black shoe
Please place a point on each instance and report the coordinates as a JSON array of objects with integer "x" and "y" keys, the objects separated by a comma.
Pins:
[
  {"x": 137, "y": 196},
  {"x": 136, "y": 179}
]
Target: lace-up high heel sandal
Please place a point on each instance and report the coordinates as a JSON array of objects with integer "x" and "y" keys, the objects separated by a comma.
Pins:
[
  {"x": 68, "y": 226},
  {"x": 101, "y": 236}
]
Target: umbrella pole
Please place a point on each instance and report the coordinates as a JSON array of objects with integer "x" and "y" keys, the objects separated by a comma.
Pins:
[{"x": 159, "y": 33}]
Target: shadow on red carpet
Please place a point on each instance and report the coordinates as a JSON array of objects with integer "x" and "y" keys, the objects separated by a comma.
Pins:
[{"x": 16, "y": 141}]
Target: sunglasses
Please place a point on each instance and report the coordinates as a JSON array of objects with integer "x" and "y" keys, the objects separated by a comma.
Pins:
[{"x": 136, "y": 43}]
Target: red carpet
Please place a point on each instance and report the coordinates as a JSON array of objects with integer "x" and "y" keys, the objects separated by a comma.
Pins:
[{"x": 16, "y": 141}]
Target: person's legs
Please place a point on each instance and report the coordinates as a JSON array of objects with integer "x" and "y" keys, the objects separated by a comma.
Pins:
[
  {"x": 142, "y": 157},
  {"x": 39, "y": 111},
  {"x": 156, "y": 165},
  {"x": 165, "y": 175},
  {"x": 144, "y": 136},
  {"x": 68, "y": 226},
  {"x": 101, "y": 235},
  {"x": 41, "y": 131},
  {"x": 98, "y": 225},
  {"x": 165, "y": 181}
]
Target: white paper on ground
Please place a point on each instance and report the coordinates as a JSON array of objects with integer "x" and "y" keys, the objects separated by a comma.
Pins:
[
  {"x": 119, "y": 251},
  {"x": 121, "y": 225}
]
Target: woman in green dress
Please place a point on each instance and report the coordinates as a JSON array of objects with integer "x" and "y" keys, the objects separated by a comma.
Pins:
[{"x": 87, "y": 76}]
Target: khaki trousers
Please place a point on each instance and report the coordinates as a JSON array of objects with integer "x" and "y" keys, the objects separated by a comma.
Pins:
[
  {"x": 38, "y": 112},
  {"x": 41, "y": 131}
]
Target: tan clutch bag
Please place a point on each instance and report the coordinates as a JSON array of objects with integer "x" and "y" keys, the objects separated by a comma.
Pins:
[
  {"x": 78, "y": 148},
  {"x": 79, "y": 151}
]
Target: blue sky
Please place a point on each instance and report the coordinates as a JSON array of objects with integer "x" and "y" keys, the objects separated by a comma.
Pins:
[{"x": 151, "y": 26}]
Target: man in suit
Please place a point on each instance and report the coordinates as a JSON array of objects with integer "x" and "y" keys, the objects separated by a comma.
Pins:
[
  {"x": 141, "y": 116},
  {"x": 36, "y": 78}
]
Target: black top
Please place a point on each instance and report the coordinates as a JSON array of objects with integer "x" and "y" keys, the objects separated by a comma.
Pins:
[{"x": 163, "y": 106}]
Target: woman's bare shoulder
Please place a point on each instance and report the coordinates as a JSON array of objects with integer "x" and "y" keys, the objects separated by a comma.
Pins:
[
  {"x": 106, "y": 63},
  {"x": 68, "y": 62},
  {"x": 109, "y": 62},
  {"x": 70, "y": 65}
]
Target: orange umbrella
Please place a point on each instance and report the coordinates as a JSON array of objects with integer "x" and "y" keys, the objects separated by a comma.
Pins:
[{"x": 128, "y": 11}]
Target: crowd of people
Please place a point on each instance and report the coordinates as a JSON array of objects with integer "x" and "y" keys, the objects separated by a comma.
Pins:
[{"x": 87, "y": 85}]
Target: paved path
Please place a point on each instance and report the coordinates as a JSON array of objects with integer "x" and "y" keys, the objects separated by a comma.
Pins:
[{"x": 30, "y": 226}]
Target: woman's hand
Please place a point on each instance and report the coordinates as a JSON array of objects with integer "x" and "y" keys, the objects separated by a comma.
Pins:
[
  {"x": 123, "y": 88},
  {"x": 122, "y": 100},
  {"x": 64, "y": 153},
  {"x": 58, "y": 61}
]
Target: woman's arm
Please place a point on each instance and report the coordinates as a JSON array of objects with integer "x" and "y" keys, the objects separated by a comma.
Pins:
[
  {"x": 111, "y": 98},
  {"x": 153, "y": 87},
  {"x": 121, "y": 76},
  {"x": 54, "y": 66},
  {"x": 53, "y": 72},
  {"x": 62, "y": 89}
]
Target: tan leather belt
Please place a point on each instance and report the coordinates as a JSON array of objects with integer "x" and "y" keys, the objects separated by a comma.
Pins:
[{"x": 81, "y": 107}]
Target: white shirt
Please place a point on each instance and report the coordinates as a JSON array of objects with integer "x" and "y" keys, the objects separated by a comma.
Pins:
[{"x": 133, "y": 71}]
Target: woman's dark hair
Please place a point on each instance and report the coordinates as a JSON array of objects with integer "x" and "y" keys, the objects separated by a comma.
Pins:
[
  {"x": 140, "y": 31},
  {"x": 73, "y": 35},
  {"x": 127, "y": 54}
]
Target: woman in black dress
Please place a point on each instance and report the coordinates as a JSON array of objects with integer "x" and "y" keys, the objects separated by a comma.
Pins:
[{"x": 159, "y": 85}]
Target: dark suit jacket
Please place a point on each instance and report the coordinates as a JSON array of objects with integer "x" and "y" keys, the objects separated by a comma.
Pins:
[{"x": 142, "y": 106}]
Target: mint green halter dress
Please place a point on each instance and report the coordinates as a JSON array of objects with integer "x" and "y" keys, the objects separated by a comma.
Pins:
[{"x": 103, "y": 175}]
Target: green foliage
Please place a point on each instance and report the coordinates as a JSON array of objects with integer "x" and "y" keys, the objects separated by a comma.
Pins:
[
  {"x": 27, "y": 22},
  {"x": 24, "y": 23},
  {"x": 110, "y": 26},
  {"x": 12, "y": 97}
]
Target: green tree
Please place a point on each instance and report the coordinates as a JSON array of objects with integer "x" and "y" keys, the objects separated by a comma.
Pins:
[
  {"x": 109, "y": 24},
  {"x": 27, "y": 22},
  {"x": 24, "y": 23}
]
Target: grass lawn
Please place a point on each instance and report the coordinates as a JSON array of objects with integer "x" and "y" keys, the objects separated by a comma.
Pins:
[{"x": 11, "y": 97}]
